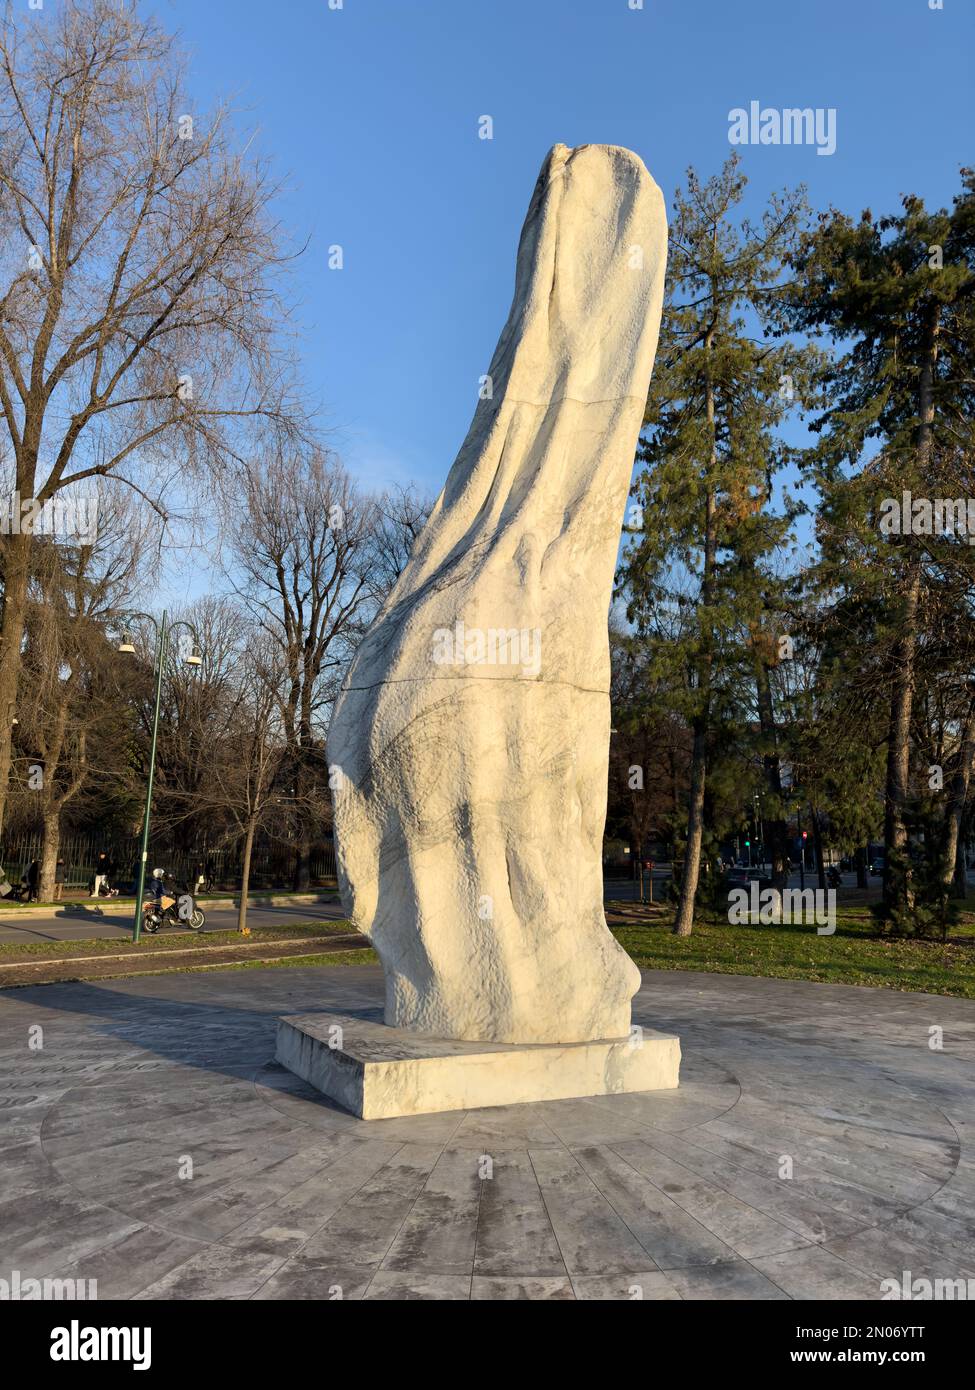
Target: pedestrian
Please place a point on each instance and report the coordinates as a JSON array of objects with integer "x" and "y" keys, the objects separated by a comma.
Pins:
[
  {"x": 33, "y": 874},
  {"x": 101, "y": 875},
  {"x": 59, "y": 880}
]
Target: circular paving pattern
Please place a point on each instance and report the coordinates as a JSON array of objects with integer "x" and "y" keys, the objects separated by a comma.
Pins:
[{"x": 815, "y": 1147}]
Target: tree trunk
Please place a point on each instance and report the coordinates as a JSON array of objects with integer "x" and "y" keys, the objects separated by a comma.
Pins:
[
  {"x": 245, "y": 876},
  {"x": 16, "y": 567},
  {"x": 899, "y": 752},
  {"x": 777, "y": 830},
  {"x": 301, "y": 879},
  {"x": 50, "y": 845},
  {"x": 955, "y": 811},
  {"x": 897, "y": 892},
  {"x": 695, "y": 831},
  {"x": 861, "y": 867},
  {"x": 684, "y": 920},
  {"x": 960, "y": 887}
]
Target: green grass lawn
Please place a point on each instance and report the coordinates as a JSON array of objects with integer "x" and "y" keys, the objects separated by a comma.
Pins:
[
  {"x": 855, "y": 955},
  {"x": 367, "y": 956}
]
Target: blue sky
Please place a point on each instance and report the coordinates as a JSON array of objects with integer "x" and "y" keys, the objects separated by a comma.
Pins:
[{"x": 372, "y": 109}]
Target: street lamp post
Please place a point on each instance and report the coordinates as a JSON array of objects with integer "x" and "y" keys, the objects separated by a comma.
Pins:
[
  {"x": 759, "y": 846},
  {"x": 192, "y": 659}
]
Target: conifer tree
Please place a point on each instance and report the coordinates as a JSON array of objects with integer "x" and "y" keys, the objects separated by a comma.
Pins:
[
  {"x": 697, "y": 570},
  {"x": 897, "y": 295}
]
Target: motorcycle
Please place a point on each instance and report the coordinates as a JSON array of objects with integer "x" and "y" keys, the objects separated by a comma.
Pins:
[
  {"x": 179, "y": 911},
  {"x": 833, "y": 878}
]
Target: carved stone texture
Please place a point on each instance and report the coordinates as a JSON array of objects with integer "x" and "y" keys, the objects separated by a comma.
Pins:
[{"x": 470, "y": 743}]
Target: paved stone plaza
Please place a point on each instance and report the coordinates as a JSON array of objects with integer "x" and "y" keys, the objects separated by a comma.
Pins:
[{"x": 669, "y": 1195}]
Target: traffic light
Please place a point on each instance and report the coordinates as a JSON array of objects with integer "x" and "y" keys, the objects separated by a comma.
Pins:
[
  {"x": 805, "y": 833},
  {"x": 747, "y": 843}
]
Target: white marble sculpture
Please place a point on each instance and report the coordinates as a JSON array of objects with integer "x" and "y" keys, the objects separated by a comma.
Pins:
[{"x": 470, "y": 743}]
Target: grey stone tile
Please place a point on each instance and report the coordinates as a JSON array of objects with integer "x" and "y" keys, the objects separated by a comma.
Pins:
[
  {"x": 669, "y": 1236},
  {"x": 748, "y": 1231},
  {"x": 957, "y": 1197},
  {"x": 125, "y": 1267},
  {"x": 363, "y": 1229},
  {"x": 592, "y": 1237},
  {"x": 949, "y": 1239},
  {"x": 737, "y": 1281},
  {"x": 527, "y": 1288},
  {"x": 886, "y": 1251},
  {"x": 647, "y": 1285},
  {"x": 54, "y": 1229},
  {"x": 852, "y": 1200},
  {"x": 388, "y": 1285},
  {"x": 504, "y": 1127},
  {"x": 307, "y": 1207},
  {"x": 25, "y": 1170},
  {"x": 781, "y": 1197},
  {"x": 671, "y": 1111},
  {"x": 580, "y": 1122},
  {"x": 335, "y": 1285},
  {"x": 514, "y": 1233},
  {"x": 439, "y": 1231},
  {"x": 814, "y": 1273},
  {"x": 218, "y": 1272}
]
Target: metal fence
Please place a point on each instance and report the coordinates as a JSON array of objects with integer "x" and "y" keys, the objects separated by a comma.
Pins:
[{"x": 272, "y": 866}]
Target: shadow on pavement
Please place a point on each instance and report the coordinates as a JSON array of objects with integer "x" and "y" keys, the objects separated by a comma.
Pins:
[{"x": 205, "y": 1034}]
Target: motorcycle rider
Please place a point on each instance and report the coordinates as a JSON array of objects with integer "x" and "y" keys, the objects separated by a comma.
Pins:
[{"x": 155, "y": 915}]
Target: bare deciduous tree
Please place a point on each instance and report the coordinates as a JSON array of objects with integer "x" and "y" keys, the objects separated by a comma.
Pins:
[
  {"x": 139, "y": 321},
  {"x": 304, "y": 553},
  {"x": 69, "y": 665},
  {"x": 244, "y": 771},
  {"x": 402, "y": 514}
]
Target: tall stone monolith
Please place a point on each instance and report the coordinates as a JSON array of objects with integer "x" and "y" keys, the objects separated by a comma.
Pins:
[{"x": 469, "y": 746}]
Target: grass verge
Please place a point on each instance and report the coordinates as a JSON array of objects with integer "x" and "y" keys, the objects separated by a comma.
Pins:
[
  {"x": 367, "y": 956},
  {"x": 856, "y": 954},
  {"x": 165, "y": 941}
]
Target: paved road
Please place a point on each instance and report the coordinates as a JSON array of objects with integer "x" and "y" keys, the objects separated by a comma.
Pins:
[{"x": 76, "y": 922}]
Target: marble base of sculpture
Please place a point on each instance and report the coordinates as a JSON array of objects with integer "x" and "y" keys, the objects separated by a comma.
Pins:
[{"x": 378, "y": 1072}]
